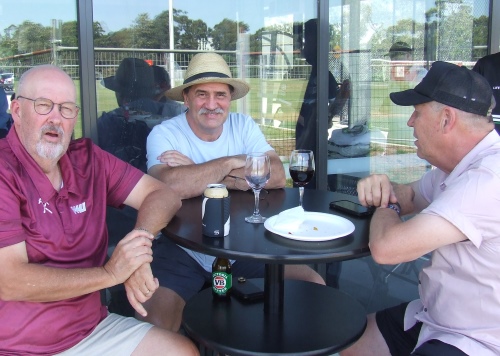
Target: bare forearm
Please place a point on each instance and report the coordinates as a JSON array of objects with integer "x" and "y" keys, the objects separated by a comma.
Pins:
[
  {"x": 191, "y": 180},
  {"x": 157, "y": 210},
  {"x": 36, "y": 283},
  {"x": 382, "y": 226},
  {"x": 236, "y": 178},
  {"x": 278, "y": 178}
]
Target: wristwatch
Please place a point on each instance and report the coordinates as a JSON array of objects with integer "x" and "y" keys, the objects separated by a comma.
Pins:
[{"x": 396, "y": 207}]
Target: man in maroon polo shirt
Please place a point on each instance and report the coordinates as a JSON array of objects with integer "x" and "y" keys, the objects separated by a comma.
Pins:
[{"x": 53, "y": 237}]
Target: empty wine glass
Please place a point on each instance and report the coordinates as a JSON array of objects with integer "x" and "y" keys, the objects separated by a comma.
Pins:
[
  {"x": 301, "y": 169},
  {"x": 257, "y": 173}
]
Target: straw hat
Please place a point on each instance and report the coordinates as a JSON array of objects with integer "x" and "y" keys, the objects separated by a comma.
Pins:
[{"x": 208, "y": 68}]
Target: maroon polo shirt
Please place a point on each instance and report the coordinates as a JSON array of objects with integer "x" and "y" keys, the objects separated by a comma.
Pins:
[{"x": 64, "y": 229}]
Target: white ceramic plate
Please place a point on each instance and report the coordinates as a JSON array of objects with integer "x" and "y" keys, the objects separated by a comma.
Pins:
[{"x": 315, "y": 227}]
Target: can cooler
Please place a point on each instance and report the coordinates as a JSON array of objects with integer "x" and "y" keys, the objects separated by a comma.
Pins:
[{"x": 215, "y": 216}]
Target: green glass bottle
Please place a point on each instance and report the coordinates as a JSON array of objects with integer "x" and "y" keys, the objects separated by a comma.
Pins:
[{"x": 222, "y": 279}]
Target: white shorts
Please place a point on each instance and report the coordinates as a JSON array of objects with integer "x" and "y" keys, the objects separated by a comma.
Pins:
[{"x": 115, "y": 335}]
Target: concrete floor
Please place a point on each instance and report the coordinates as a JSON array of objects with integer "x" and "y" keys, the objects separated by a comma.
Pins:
[{"x": 375, "y": 287}]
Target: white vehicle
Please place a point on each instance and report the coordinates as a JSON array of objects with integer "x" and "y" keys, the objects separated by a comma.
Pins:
[{"x": 7, "y": 81}]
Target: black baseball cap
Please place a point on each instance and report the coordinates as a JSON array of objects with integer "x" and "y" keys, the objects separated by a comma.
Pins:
[
  {"x": 451, "y": 85},
  {"x": 399, "y": 47}
]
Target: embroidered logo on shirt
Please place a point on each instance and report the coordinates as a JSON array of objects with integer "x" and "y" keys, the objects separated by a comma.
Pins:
[
  {"x": 80, "y": 208},
  {"x": 45, "y": 209}
]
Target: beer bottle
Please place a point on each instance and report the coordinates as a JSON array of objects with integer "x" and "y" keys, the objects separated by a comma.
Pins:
[{"x": 222, "y": 279}]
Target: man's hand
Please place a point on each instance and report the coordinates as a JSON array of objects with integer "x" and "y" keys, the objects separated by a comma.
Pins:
[
  {"x": 140, "y": 287},
  {"x": 376, "y": 190},
  {"x": 174, "y": 159},
  {"x": 130, "y": 253}
]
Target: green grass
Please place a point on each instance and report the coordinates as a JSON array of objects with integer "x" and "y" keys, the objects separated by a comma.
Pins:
[{"x": 284, "y": 98}]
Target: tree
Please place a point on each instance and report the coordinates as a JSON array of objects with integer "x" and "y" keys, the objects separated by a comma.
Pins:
[
  {"x": 196, "y": 33},
  {"x": 144, "y": 32},
  {"x": 455, "y": 32},
  {"x": 225, "y": 34},
  {"x": 405, "y": 30},
  {"x": 69, "y": 34},
  {"x": 8, "y": 42},
  {"x": 161, "y": 26},
  {"x": 119, "y": 39},
  {"x": 32, "y": 37},
  {"x": 480, "y": 37}
]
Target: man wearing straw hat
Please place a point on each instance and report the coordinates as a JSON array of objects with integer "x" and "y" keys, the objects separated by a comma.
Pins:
[{"x": 207, "y": 144}]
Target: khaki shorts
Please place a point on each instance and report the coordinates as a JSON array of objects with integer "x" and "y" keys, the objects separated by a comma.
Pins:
[{"x": 115, "y": 335}]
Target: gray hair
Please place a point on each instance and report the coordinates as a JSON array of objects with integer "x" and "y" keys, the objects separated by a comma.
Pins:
[{"x": 474, "y": 121}]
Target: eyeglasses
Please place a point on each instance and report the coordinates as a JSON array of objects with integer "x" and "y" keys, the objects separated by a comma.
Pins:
[{"x": 44, "y": 106}]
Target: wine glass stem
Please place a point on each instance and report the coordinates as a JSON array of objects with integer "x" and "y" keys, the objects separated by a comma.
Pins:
[
  {"x": 256, "y": 193},
  {"x": 301, "y": 194}
]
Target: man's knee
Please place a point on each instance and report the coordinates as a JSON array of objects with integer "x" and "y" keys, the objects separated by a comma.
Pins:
[
  {"x": 303, "y": 273},
  {"x": 371, "y": 342},
  {"x": 163, "y": 342},
  {"x": 164, "y": 309}
]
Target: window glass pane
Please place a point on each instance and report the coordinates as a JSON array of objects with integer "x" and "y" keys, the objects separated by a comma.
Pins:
[
  {"x": 388, "y": 47},
  {"x": 34, "y": 34},
  {"x": 256, "y": 39}
]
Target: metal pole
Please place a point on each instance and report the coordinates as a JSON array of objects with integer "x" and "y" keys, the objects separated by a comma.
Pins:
[{"x": 171, "y": 41}]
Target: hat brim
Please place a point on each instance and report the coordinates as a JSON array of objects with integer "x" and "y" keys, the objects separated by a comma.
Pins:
[
  {"x": 240, "y": 87},
  {"x": 110, "y": 83},
  {"x": 409, "y": 97}
]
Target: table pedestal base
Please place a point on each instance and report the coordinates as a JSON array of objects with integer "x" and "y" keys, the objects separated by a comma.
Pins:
[{"x": 316, "y": 320}]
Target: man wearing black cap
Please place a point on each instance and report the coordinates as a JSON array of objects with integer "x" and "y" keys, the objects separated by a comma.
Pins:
[
  {"x": 405, "y": 73},
  {"x": 400, "y": 51},
  {"x": 456, "y": 207}
]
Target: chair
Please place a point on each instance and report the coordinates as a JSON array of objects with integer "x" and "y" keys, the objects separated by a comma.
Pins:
[{"x": 407, "y": 272}]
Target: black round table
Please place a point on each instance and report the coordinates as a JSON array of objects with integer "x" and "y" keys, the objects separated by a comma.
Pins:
[
  {"x": 329, "y": 319},
  {"x": 316, "y": 320}
]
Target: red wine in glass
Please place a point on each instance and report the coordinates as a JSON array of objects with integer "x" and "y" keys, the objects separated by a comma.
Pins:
[
  {"x": 301, "y": 175},
  {"x": 301, "y": 169}
]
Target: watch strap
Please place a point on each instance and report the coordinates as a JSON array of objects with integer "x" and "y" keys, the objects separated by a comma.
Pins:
[{"x": 396, "y": 207}]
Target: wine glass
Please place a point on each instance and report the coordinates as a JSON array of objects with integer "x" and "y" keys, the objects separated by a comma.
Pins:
[
  {"x": 257, "y": 173},
  {"x": 301, "y": 169}
]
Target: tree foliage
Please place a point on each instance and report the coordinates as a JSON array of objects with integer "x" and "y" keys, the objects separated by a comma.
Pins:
[
  {"x": 32, "y": 37},
  {"x": 225, "y": 34},
  {"x": 450, "y": 32}
]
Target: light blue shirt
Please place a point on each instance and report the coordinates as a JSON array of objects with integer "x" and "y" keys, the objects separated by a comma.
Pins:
[{"x": 240, "y": 135}]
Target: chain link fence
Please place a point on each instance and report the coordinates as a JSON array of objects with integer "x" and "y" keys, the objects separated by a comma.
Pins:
[{"x": 277, "y": 91}]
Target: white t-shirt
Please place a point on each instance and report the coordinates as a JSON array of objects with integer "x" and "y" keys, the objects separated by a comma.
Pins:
[{"x": 240, "y": 135}]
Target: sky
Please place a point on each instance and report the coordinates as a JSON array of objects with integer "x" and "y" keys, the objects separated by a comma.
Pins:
[{"x": 117, "y": 14}]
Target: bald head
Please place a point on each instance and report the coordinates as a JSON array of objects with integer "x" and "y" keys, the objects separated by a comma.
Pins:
[{"x": 40, "y": 77}]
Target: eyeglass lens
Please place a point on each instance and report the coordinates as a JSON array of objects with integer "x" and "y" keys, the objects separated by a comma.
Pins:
[{"x": 44, "y": 106}]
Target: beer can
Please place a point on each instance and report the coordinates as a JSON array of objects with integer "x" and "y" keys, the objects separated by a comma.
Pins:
[{"x": 215, "y": 217}]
